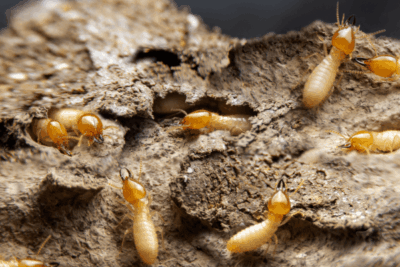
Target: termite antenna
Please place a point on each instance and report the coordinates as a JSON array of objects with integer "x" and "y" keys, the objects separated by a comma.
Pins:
[
  {"x": 297, "y": 189},
  {"x": 337, "y": 14},
  {"x": 177, "y": 127},
  {"x": 44, "y": 243},
  {"x": 180, "y": 110},
  {"x": 334, "y": 132},
  {"x": 140, "y": 167}
]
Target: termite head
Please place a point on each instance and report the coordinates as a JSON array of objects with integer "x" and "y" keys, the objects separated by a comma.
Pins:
[
  {"x": 91, "y": 126},
  {"x": 344, "y": 38},
  {"x": 58, "y": 134},
  {"x": 132, "y": 189},
  {"x": 196, "y": 120},
  {"x": 384, "y": 66},
  {"x": 279, "y": 203},
  {"x": 360, "y": 141}
]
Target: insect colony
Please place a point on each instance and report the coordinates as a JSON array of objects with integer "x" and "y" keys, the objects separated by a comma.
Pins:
[{"x": 63, "y": 125}]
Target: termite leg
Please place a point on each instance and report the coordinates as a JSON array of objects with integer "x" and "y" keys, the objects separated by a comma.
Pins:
[
  {"x": 236, "y": 130},
  {"x": 123, "y": 239},
  {"x": 128, "y": 206},
  {"x": 276, "y": 243},
  {"x": 318, "y": 53},
  {"x": 104, "y": 135},
  {"x": 263, "y": 216},
  {"x": 114, "y": 186},
  {"x": 111, "y": 127},
  {"x": 386, "y": 79},
  {"x": 393, "y": 78},
  {"x": 80, "y": 141},
  {"x": 158, "y": 213},
  {"x": 123, "y": 218},
  {"x": 313, "y": 54},
  {"x": 150, "y": 199},
  {"x": 324, "y": 44},
  {"x": 338, "y": 83},
  {"x": 395, "y": 139},
  {"x": 44, "y": 243},
  {"x": 302, "y": 76},
  {"x": 309, "y": 68},
  {"x": 287, "y": 219},
  {"x": 159, "y": 229},
  {"x": 266, "y": 250}
]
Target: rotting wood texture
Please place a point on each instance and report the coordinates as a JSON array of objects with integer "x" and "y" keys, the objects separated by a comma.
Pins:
[{"x": 115, "y": 58}]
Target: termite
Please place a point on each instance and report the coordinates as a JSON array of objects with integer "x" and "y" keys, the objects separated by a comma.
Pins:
[
  {"x": 320, "y": 82},
  {"x": 82, "y": 123},
  {"x": 28, "y": 262},
  {"x": 385, "y": 66},
  {"x": 199, "y": 119},
  {"x": 368, "y": 141},
  {"x": 49, "y": 130},
  {"x": 257, "y": 235},
  {"x": 144, "y": 232}
]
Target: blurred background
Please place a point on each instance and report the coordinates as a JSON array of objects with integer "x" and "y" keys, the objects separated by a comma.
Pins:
[{"x": 254, "y": 18}]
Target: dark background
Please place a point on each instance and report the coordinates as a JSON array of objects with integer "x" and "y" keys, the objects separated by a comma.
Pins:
[{"x": 253, "y": 18}]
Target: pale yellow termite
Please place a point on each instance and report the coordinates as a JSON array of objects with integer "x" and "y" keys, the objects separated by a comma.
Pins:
[
  {"x": 144, "y": 232},
  {"x": 375, "y": 142},
  {"x": 82, "y": 123},
  {"x": 48, "y": 130},
  {"x": 320, "y": 82},
  {"x": 199, "y": 119},
  {"x": 257, "y": 235},
  {"x": 28, "y": 262}
]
